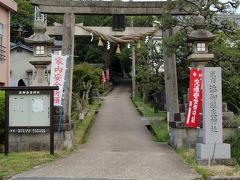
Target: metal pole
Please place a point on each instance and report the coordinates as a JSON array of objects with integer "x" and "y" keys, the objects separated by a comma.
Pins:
[
  {"x": 133, "y": 70},
  {"x": 51, "y": 123},
  {"x": 7, "y": 122}
]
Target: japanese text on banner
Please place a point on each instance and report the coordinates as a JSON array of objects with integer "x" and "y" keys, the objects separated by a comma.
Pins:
[
  {"x": 195, "y": 99},
  {"x": 58, "y": 69}
]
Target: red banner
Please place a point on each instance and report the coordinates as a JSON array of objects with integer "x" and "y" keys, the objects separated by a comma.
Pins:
[
  {"x": 103, "y": 78},
  {"x": 107, "y": 74},
  {"x": 195, "y": 99}
]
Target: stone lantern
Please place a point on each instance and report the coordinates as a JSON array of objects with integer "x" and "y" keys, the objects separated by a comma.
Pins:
[
  {"x": 40, "y": 60},
  {"x": 200, "y": 39}
]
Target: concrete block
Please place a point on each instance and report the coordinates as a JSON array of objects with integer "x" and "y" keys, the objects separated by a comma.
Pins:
[
  {"x": 13, "y": 147},
  {"x": 185, "y": 136},
  {"x": 213, "y": 151},
  {"x": 226, "y": 162},
  {"x": 185, "y": 98},
  {"x": 227, "y": 118},
  {"x": 181, "y": 107},
  {"x": 224, "y": 107},
  {"x": 45, "y": 146},
  {"x": 177, "y": 117},
  {"x": 15, "y": 138},
  {"x": 35, "y": 146},
  {"x": 38, "y": 142},
  {"x": 23, "y": 146},
  {"x": 183, "y": 117},
  {"x": 176, "y": 124}
]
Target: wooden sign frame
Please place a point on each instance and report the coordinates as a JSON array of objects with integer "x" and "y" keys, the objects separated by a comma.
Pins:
[{"x": 29, "y": 91}]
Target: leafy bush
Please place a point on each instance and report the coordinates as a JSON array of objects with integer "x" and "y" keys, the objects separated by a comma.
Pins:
[
  {"x": 83, "y": 74},
  {"x": 2, "y": 113}
]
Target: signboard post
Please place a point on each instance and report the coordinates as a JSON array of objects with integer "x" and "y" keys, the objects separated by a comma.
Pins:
[{"x": 29, "y": 110}]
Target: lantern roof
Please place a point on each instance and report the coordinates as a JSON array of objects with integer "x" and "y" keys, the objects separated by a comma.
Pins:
[
  {"x": 201, "y": 35},
  {"x": 40, "y": 36}
]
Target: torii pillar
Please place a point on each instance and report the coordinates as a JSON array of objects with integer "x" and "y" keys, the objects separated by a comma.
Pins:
[
  {"x": 170, "y": 76},
  {"x": 68, "y": 49}
]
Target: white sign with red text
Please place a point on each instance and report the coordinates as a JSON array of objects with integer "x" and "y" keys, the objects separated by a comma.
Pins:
[{"x": 57, "y": 78}]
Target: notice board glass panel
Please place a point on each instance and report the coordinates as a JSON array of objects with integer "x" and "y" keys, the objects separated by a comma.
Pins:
[{"x": 29, "y": 110}]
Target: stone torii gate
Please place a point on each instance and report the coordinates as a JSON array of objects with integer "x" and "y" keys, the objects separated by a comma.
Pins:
[{"x": 69, "y": 8}]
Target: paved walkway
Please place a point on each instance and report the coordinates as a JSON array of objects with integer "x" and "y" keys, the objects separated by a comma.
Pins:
[{"x": 119, "y": 147}]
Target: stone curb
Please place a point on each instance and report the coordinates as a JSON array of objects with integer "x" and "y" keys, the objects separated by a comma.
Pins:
[{"x": 224, "y": 178}]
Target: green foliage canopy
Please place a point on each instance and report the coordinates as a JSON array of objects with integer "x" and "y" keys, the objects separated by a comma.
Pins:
[
  {"x": 83, "y": 72},
  {"x": 22, "y": 18}
]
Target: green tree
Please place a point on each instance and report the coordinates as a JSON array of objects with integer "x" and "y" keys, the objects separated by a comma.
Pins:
[
  {"x": 227, "y": 56},
  {"x": 22, "y": 18},
  {"x": 83, "y": 75},
  {"x": 125, "y": 61},
  {"x": 148, "y": 77}
]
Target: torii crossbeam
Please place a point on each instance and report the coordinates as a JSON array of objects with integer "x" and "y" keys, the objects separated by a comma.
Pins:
[{"x": 106, "y": 7}]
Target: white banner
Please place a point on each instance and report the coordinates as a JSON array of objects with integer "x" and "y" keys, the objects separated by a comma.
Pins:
[{"x": 57, "y": 78}]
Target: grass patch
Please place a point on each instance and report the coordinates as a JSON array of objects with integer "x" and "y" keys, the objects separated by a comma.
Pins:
[
  {"x": 16, "y": 163},
  {"x": 206, "y": 171},
  {"x": 188, "y": 157},
  {"x": 81, "y": 129},
  {"x": 160, "y": 131},
  {"x": 159, "y": 128},
  {"x": 145, "y": 108}
]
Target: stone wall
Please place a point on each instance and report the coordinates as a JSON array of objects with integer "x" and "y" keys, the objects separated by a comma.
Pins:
[
  {"x": 187, "y": 137},
  {"x": 39, "y": 142}
]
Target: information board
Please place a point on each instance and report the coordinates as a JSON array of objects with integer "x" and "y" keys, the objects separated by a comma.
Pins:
[{"x": 29, "y": 110}]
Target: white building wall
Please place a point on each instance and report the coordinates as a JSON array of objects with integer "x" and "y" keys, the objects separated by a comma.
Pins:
[{"x": 19, "y": 65}]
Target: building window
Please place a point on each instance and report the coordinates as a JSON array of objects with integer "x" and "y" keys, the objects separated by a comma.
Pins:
[
  {"x": 1, "y": 84},
  {"x": 40, "y": 50},
  {"x": 57, "y": 52},
  {"x": 1, "y": 33},
  {"x": 201, "y": 47}
]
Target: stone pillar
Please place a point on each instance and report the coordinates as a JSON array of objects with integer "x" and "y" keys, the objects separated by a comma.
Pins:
[
  {"x": 68, "y": 49},
  {"x": 40, "y": 79},
  {"x": 170, "y": 75},
  {"x": 212, "y": 147}
]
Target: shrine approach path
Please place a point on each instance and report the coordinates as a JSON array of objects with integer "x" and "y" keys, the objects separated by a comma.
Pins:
[{"x": 119, "y": 147}]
